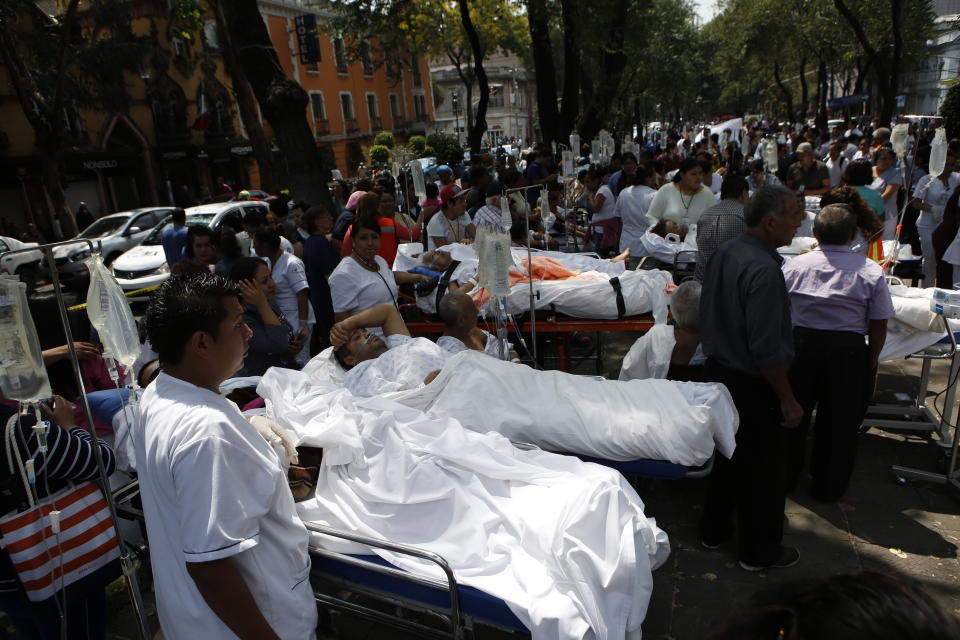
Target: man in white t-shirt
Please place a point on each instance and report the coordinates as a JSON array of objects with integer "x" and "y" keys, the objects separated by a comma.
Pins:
[
  {"x": 451, "y": 224},
  {"x": 228, "y": 551},
  {"x": 293, "y": 291},
  {"x": 398, "y": 362},
  {"x": 836, "y": 162}
]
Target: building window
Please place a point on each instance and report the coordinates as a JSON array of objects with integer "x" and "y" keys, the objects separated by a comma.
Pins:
[
  {"x": 349, "y": 117},
  {"x": 496, "y": 95},
  {"x": 321, "y": 126},
  {"x": 415, "y": 66},
  {"x": 394, "y": 107},
  {"x": 340, "y": 55},
  {"x": 420, "y": 106},
  {"x": 366, "y": 57},
  {"x": 373, "y": 111},
  {"x": 210, "y": 35}
]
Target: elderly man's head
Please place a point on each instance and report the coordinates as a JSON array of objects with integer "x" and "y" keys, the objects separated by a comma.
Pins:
[
  {"x": 457, "y": 311},
  {"x": 881, "y": 136},
  {"x": 836, "y": 224},
  {"x": 436, "y": 260},
  {"x": 685, "y": 305},
  {"x": 773, "y": 214}
]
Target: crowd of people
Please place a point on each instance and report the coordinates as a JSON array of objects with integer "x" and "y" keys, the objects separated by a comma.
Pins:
[{"x": 788, "y": 341}]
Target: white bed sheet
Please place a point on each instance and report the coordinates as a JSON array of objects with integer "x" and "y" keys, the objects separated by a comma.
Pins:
[
  {"x": 564, "y": 543},
  {"x": 609, "y": 419}
]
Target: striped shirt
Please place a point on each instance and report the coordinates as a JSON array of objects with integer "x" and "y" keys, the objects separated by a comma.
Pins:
[{"x": 69, "y": 457}]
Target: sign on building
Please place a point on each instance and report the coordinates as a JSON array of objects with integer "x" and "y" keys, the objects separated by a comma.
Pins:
[{"x": 307, "y": 38}]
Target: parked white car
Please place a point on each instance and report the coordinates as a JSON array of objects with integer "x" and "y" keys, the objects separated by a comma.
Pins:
[
  {"x": 115, "y": 233},
  {"x": 146, "y": 265},
  {"x": 26, "y": 265}
]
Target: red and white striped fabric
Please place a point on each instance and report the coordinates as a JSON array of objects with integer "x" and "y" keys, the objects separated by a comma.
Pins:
[{"x": 46, "y": 561}]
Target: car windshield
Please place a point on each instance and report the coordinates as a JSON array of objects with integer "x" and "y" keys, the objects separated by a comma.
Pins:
[
  {"x": 155, "y": 235},
  {"x": 104, "y": 227}
]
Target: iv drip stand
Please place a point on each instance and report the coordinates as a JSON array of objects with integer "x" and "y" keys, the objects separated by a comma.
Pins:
[{"x": 126, "y": 562}]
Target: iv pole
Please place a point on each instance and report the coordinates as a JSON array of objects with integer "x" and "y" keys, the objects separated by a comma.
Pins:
[
  {"x": 126, "y": 562},
  {"x": 526, "y": 221}
]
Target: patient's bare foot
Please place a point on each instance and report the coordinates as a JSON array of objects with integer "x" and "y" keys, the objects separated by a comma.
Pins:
[{"x": 623, "y": 257}]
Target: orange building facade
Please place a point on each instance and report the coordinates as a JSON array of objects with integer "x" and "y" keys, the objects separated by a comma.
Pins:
[{"x": 350, "y": 100}]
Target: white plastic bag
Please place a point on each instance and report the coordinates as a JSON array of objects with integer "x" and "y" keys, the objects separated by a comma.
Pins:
[
  {"x": 22, "y": 374},
  {"x": 110, "y": 314}
]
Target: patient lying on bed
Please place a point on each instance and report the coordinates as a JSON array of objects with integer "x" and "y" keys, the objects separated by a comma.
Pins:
[{"x": 663, "y": 420}]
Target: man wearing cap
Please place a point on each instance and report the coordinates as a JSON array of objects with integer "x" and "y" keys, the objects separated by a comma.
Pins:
[
  {"x": 808, "y": 174},
  {"x": 444, "y": 176},
  {"x": 451, "y": 224},
  {"x": 490, "y": 214}
]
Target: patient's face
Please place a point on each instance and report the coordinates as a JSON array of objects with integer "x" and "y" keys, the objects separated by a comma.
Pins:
[
  {"x": 440, "y": 260},
  {"x": 364, "y": 345}
]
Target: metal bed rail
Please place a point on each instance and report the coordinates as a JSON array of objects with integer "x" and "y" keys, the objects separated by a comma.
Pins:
[
  {"x": 916, "y": 416},
  {"x": 456, "y": 619}
]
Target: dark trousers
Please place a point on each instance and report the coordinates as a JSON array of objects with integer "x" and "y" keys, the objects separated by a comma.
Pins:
[
  {"x": 86, "y": 616},
  {"x": 750, "y": 484},
  {"x": 829, "y": 372}
]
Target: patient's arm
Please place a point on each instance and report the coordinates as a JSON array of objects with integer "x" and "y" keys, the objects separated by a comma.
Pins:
[{"x": 383, "y": 315}]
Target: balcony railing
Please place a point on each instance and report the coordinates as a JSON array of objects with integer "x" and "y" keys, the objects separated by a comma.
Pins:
[
  {"x": 321, "y": 126},
  {"x": 375, "y": 123},
  {"x": 350, "y": 125},
  {"x": 400, "y": 123}
]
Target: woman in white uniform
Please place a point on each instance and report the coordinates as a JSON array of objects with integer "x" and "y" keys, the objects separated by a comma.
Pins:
[
  {"x": 632, "y": 205},
  {"x": 684, "y": 199},
  {"x": 363, "y": 279},
  {"x": 930, "y": 197}
]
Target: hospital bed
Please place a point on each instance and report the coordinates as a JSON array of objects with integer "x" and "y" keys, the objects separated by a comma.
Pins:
[{"x": 369, "y": 587}]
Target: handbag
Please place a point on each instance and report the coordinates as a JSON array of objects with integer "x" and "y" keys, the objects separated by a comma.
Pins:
[{"x": 47, "y": 560}]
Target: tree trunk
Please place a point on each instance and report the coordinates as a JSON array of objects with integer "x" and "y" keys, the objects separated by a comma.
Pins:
[
  {"x": 53, "y": 185},
  {"x": 282, "y": 101},
  {"x": 821, "y": 120},
  {"x": 246, "y": 104},
  {"x": 804, "y": 90},
  {"x": 787, "y": 95},
  {"x": 543, "y": 66},
  {"x": 613, "y": 64},
  {"x": 475, "y": 134},
  {"x": 885, "y": 68},
  {"x": 570, "y": 105},
  {"x": 890, "y": 100}
]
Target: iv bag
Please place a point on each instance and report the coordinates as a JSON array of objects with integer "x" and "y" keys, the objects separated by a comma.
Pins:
[
  {"x": 938, "y": 152},
  {"x": 596, "y": 150},
  {"x": 505, "y": 219},
  {"x": 493, "y": 250},
  {"x": 568, "y": 166},
  {"x": 22, "y": 374},
  {"x": 898, "y": 139},
  {"x": 575, "y": 144},
  {"x": 419, "y": 187},
  {"x": 110, "y": 314},
  {"x": 771, "y": 156},
  {"x": 544, "y": 205}
]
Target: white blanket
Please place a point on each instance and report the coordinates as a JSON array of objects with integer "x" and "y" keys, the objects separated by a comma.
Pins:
[
  {"x": 643, "y": 292},
  {"x": 608, "y": 419},
  {"x": 564, "y": 543}
]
